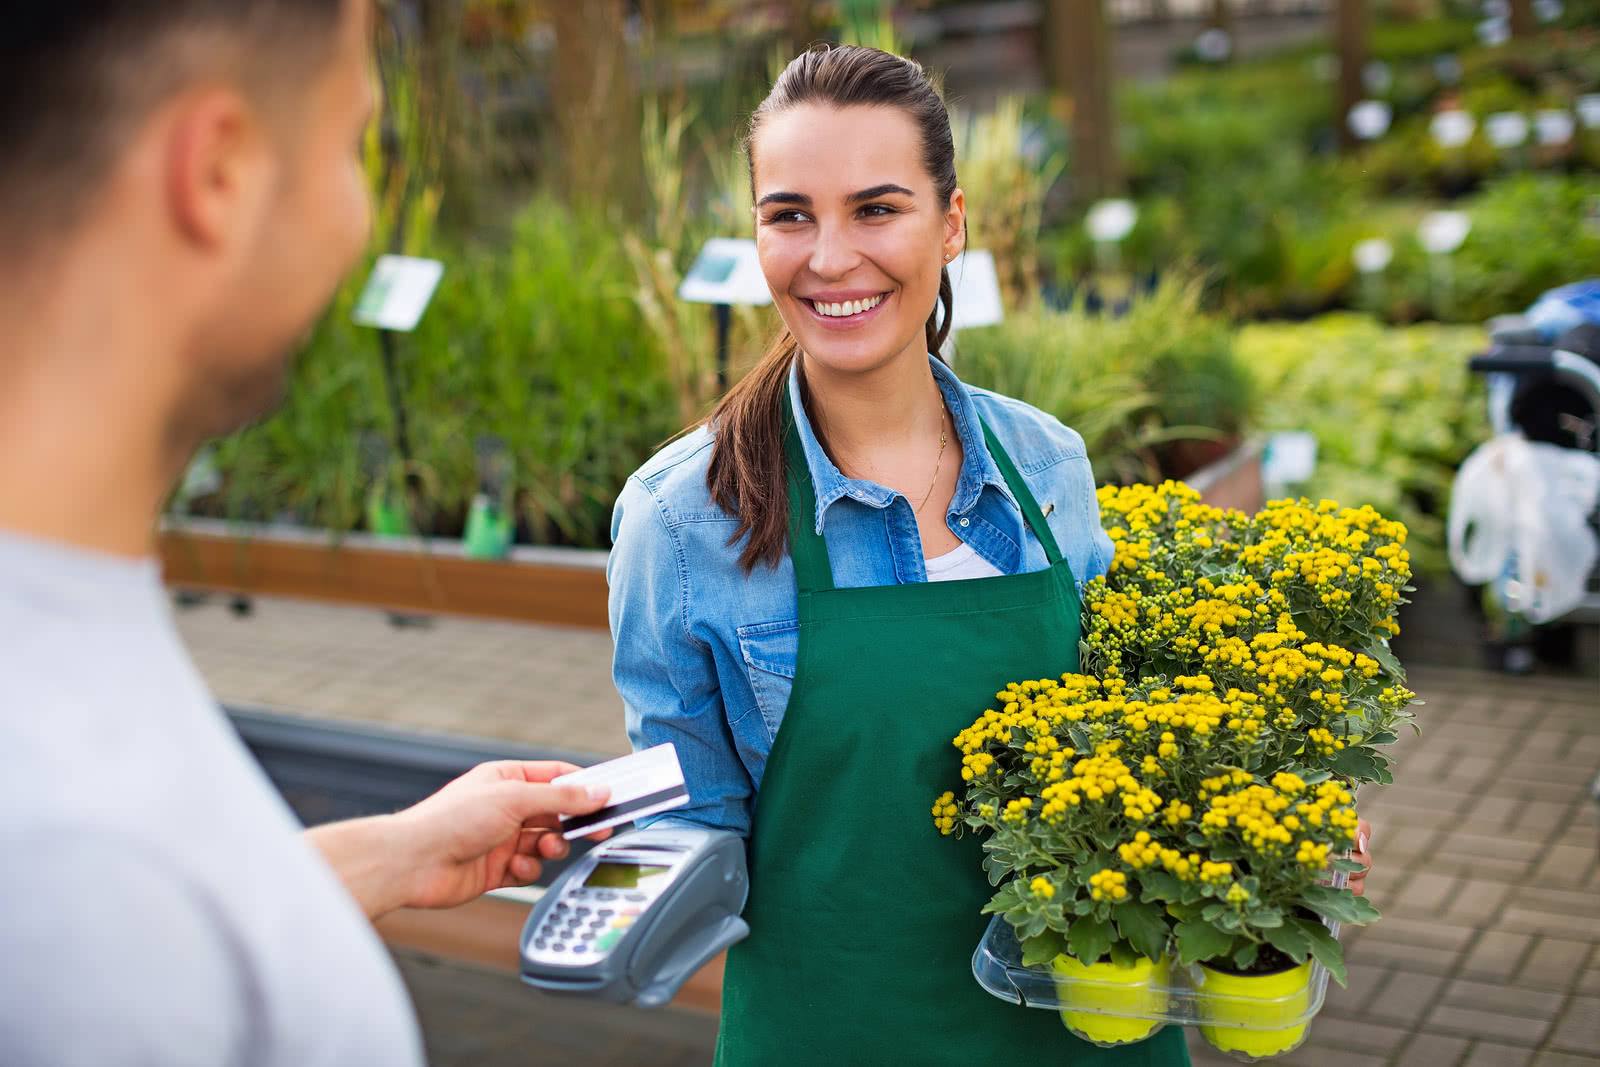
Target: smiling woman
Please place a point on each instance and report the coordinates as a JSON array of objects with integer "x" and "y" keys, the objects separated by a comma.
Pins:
[{"x": 815, "y": 589}]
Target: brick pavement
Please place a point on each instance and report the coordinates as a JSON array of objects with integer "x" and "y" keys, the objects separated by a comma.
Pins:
[{"x": 1489, "y": 949}]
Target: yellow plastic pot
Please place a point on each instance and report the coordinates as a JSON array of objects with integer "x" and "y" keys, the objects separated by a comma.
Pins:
[
  {"x": 1257, "y": 1014},
  {"x": 1112, "y": 1005}
]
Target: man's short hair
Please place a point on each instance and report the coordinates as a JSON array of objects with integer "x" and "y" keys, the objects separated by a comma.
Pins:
[{"x": 77, "y": 77}]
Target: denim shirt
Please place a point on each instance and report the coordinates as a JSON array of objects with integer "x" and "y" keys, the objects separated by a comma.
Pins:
[{"x": 705, "y": 655}]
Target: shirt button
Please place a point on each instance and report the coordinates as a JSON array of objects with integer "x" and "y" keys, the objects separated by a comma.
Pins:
[{"x": 965, "y": 521}]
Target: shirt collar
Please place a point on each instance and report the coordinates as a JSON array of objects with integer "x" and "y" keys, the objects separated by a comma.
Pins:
[{"x": 978, "y": 468}]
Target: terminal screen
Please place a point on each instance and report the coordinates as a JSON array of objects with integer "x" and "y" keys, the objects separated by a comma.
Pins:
[{"x": 625, "y": 876}]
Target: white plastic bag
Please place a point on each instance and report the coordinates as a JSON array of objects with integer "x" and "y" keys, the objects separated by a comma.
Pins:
[{"x": 1514, "y": 500}]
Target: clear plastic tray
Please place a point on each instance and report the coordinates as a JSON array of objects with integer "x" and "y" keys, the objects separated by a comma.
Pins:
[{"x": 1247, "y": 1027}]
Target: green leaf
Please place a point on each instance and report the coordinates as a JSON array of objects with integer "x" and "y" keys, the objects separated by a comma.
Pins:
[
  {"x": 1340, "y": 905},
  {"x": 1201, "y": 941},
  {"x": 1123, "y": 955},
  {"x": 1143, "y": 926},
  {"x": 1339, "y": 863},
  {"x": 1159, "y": 885},
  {"x": 1324, "y": 947},
  {"x": 1183, "y": 911},
  {"x": 1246, "y": 955},
  {"x": 1290, "y": 940},
  {"x": 1382, "y": 737},
  {"x": 1005, "y": 899},
  {"x": 1042, "y": 948},
  {"x": 1090, "y": 938},
  {"x": 1215, "y": 911},
  {"x": 996, "y": 868},
  {"x": 1357, "y": 763},
  {"x": 1391, "y": 666},
  {"x": 1033, "y": 927}
]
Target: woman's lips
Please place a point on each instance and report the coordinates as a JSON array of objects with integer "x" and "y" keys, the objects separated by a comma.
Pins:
[{"x": 870, "y": 306}]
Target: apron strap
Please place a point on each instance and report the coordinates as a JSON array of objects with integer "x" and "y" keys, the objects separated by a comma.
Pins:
[
  {"x": 1019, "y": 489},
  {"x": 813, "y": 571}
]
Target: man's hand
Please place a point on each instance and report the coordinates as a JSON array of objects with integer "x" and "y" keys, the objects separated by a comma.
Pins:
[
  {"x": 487, "y": 829},
  {"x": 490, "y": 828},
  {"x": 1362, "y": 855}
]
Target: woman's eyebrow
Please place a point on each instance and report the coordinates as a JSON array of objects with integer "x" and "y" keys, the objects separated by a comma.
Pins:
[
  {"x": 784, "y": 198},
  {"x": 877, "y": 191},
  {"x": 864, "y": 195}
]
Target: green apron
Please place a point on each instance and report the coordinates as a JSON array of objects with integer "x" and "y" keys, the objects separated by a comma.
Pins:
[{"x": 863, "y": 917}]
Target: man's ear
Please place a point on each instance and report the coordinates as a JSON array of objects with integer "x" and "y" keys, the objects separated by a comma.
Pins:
[
  {"x": 217, "y": 166},
  {"x": 955, "y": 225}
]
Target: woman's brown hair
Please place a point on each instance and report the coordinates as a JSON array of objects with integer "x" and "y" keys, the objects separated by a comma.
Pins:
[{"x": 747, "y": 476}]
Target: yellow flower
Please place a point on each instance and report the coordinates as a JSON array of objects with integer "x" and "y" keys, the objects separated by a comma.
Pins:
[{"x": 1108, "y": 885}]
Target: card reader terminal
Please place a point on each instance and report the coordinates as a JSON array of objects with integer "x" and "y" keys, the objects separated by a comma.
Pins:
[{"x": 637, "y": 915}]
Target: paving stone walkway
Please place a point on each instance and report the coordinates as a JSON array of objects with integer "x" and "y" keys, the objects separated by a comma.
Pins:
[{"x": 1488, "y": 953}]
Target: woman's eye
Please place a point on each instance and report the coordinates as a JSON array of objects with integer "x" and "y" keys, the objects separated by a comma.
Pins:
[
  {"x": 877, "y": 210},
  {"x": 781, "y": 217}
]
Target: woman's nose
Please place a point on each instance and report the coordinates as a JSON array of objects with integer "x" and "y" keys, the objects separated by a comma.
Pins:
[{"x": 833, "y": 255}]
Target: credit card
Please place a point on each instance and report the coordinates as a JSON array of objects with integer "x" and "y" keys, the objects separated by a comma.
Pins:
[{"x": 641, "y": 784}]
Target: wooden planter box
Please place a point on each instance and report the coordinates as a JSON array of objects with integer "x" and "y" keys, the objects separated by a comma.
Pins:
[
  {"x": 566, "y": 587},
  {"x": 1234, "y": 481}
]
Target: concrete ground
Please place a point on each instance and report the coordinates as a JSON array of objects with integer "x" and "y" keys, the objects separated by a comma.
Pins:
[{"x": 1486, "y": 851}]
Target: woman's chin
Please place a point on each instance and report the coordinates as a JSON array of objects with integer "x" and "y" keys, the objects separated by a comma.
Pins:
[{"x": 852, "y": 355}]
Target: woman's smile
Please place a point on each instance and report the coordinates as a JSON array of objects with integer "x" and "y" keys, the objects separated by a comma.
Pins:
[{"x": 840, "y": 311}]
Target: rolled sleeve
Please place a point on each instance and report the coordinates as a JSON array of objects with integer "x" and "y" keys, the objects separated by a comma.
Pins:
[{"x": 668, "y": 678}]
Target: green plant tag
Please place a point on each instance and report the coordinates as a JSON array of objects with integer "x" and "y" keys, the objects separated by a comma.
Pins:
[{"x": 489, "y": 531}]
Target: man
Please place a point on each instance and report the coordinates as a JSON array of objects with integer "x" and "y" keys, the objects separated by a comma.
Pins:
[{"x": 181, "y": 193}]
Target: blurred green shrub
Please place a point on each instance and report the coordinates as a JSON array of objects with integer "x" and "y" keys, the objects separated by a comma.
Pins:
[
  {"x": 539, "y": 343},
  {"x": 1131, "y": 384},
  {"x": 1394, "y": 411},
  {"x": 1530, "y": 232}
]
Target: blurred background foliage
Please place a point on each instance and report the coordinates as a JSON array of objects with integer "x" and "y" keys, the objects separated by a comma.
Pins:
[{"x": 567, "y": 161}]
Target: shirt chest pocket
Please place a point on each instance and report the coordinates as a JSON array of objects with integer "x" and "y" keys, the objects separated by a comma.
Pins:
[{"x": 770, "y": 650}]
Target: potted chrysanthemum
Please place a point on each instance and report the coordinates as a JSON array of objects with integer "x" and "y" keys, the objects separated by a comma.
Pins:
[
  {"x": 1252, "y": 914},
  {"x": 1188, "y": 797}
]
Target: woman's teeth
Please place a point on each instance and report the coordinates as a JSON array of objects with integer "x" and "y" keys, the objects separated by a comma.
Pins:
[{"x": 848, "y": 307}]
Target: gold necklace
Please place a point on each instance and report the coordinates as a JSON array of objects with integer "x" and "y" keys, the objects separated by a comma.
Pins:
[{"x": 943, "y": 441}]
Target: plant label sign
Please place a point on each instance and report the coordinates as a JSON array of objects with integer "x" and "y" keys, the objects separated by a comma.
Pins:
[
  {"x": 1452, "y": 129},
  {"x": 975, "y": 287},
  {"x": 397, "y": 293},
  {"x": 726, "y": 272},
  {"x": 1506, "y": 129},
  {"x": 1370, "y": 119},
  {"x": 1554, "y": 127}
]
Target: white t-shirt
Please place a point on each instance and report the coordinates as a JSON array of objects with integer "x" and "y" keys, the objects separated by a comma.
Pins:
[
  {"x": 958, "y": 563},
  {"x": 157, "y": 902}
]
